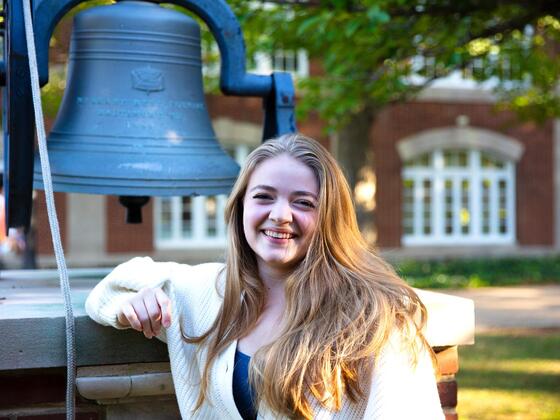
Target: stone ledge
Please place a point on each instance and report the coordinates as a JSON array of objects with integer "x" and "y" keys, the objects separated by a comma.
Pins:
[
  {"x": 124, "y": 381},
  {"x": 32, "y": 322},
  {"x": 450, "y": 319}
]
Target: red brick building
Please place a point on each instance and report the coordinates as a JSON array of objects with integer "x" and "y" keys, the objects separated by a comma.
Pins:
[{"x": 522, "y": 216}]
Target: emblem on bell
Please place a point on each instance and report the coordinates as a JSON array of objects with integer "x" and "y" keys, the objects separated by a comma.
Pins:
[{"x": 147, "y": 79}]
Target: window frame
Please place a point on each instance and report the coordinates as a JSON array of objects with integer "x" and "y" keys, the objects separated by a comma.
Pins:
[
  {"x": 263, "y": 62},
  {"x": 438, "y": 174}
]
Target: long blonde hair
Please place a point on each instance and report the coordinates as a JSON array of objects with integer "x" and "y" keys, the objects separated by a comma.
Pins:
[{"x": 342, "y": 301}]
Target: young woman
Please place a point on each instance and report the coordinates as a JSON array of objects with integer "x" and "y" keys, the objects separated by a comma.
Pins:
[{"x": 302, "y": 321}]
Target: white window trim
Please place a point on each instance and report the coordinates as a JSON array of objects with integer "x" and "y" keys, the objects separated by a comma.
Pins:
[
  {"x": 199, "y": 238},
  {"x": 503, "y": 147},
  {"x": 475, "y": 174}
]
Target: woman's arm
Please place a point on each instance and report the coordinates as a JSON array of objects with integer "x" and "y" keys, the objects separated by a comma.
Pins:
[
  {"x": 115, "y": 301},
  {"x": 401, "y": 389}
]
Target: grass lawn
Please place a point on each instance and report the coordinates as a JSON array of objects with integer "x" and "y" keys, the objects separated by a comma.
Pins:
[{"x": 510, "y": 375}]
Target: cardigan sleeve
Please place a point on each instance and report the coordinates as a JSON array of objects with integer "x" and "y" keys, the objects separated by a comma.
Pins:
[
  {"x": 108, "y": 296},
  {"x": 401, "y": 389}
]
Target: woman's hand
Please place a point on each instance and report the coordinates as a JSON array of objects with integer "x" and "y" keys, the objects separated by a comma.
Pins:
[{"x": 147, "y": 311}]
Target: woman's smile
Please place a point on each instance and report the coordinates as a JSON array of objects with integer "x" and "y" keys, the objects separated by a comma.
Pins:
[{"x": 279, "y": 236}]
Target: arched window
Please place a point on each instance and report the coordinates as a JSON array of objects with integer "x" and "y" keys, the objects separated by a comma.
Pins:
[{"x": 458, "y": 193}]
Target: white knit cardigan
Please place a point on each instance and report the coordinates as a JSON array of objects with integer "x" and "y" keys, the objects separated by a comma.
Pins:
[{"x": 398, "y": 391}]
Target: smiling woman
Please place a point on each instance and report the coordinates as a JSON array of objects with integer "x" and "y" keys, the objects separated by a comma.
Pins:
[
  {"x": 303, "y": 321},
  {"x": 280, "y": 213}
]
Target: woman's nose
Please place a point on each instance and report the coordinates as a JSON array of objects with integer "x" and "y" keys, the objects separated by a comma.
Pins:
[{"x": 281, "y": 212}]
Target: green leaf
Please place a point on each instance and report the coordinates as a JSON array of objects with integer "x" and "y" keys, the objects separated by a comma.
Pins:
[
  {"x": 309, "y": 24},
  {"x": 351, "y": 28},
  {"x": 376, "y": 15}
]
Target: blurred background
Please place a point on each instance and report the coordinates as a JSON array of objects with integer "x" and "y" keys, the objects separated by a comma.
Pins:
[{"x": 444, "y": 116}]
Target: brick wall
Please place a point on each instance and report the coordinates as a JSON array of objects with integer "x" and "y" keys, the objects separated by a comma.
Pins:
[
  {"x": 237, "y": 108},
  {"x": 123, "y": 237},
  {"x": 534, "y": 177},
  {"x": 250, "y": 110},
  {"x": 41, "y": 221}
]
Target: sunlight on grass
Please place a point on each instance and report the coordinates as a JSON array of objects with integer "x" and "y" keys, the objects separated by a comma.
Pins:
[
  {"x": 487, "y": 404},
  {"x": 514, "y": 376}
]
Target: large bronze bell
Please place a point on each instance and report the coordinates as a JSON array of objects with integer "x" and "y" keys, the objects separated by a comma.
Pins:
[{"x": 133, "y": 120}]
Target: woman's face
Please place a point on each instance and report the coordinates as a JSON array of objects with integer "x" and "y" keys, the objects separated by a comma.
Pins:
[{"x": 280, "y": 212}]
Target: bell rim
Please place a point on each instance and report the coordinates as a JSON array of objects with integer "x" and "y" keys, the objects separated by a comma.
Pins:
[{"x": 160, "y": 190}]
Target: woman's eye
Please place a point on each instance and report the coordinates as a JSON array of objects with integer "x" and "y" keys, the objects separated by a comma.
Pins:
[
  {"x": 306, "y": 203},
  {"x": 261, "y": 196}
]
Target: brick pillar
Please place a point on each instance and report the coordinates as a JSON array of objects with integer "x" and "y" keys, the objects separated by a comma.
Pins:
[{"x": 448, "y": 365}]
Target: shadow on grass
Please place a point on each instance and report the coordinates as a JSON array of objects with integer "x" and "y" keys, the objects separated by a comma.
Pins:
[{"x": 536, "y": 344}]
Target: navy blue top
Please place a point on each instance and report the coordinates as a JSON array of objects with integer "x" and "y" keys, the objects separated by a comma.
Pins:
[{"x": 242, "y": 392}]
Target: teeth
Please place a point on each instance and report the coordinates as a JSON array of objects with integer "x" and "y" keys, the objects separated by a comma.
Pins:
[{"x": 278, "y": 235}]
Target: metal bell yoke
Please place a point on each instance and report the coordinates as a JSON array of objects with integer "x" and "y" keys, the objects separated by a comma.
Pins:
[{"x": 133, "y": 120}]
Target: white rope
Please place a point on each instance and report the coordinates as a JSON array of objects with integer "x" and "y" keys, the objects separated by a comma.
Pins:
[{"x": 53, "y": 221}]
